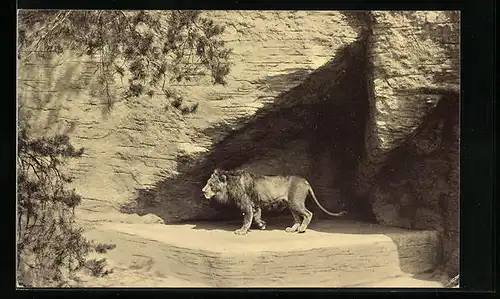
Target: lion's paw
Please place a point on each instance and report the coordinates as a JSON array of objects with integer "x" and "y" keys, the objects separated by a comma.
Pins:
[
  {"x": 290, "y": 229},
  {"x": 241, "y": 231},
  {"x": 262, "y": 226},
  {"x": 301, "y": 229}
]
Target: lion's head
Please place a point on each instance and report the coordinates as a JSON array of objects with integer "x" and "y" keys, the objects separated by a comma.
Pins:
[{"x": 216, "y": 185}]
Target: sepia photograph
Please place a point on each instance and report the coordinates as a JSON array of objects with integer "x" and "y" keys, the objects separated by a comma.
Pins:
[{"x": 238, "y": 149}]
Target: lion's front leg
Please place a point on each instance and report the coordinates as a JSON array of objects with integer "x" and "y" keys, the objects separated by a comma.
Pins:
[
  {"x": 257, "y": 217},
  {"x": 247, "y": 221}
]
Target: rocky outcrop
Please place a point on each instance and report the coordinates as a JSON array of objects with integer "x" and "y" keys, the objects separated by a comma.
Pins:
[
  {"x": 362, "y": 104},
  {"x": 140, "y": 142},
  {"x": 412, "y": 132},
  {"x": 331, "y": 254},
  {"x": 411, "y": 52}
]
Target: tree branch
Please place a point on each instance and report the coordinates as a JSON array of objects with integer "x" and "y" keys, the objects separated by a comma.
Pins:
[{"x": 49, "y": 31}]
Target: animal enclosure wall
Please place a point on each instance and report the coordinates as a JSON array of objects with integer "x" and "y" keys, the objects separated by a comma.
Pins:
[
  {"x": 137, "y": 142},
  {"x": 348, "y": 100}
]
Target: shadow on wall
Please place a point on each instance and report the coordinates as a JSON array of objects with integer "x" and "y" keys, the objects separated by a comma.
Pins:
[
  {"x": 418, "y": 187},
  {"x": 47, "y": 86},
  {"x": 276, "y": 83},
  {"x": 327, "y": 110},
  {"x": 269, "y": 84},
  {"x": 41, "y": 100}
]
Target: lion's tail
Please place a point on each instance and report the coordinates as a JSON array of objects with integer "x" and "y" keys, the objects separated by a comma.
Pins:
[{"x": 339, "y": 214}]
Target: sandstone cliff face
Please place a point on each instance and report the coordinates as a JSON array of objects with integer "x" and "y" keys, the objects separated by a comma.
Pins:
[
  {"x": 412, "y": 53},
  {"x": 414, "y": 117},
  {"x": 137, "y": 143},
  {"x": 352, "y": 101}
]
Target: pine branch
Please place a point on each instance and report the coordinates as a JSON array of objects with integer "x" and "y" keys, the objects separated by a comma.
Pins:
[{"x": 43, "y": 38}]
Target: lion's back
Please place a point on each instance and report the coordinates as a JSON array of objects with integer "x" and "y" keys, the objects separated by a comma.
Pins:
[{"x": 277, "y": 188}]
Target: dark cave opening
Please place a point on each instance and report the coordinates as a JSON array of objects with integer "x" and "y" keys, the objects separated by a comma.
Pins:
[
  {"x": 339, "y": 133},
  {"x": 420, "y": 178}
]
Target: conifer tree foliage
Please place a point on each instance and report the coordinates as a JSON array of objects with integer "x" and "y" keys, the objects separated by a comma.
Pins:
[
  {"x": 148, "y": 49},
  {"x": 50, "y": 246}
]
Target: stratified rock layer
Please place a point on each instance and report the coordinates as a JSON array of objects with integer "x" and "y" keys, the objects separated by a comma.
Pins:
[
  {"x": 138, "y": 142},
  {"x": 370, "y": 122},
  {"x": 413, "y": 134},
  {"x": 329, "y": 254}
]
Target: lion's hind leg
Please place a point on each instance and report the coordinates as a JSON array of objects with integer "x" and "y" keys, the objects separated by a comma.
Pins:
[
  {"x": 305, "y": 222},
  {"x": 296, "y": 224},
  {"x": 306, "y": 216}
]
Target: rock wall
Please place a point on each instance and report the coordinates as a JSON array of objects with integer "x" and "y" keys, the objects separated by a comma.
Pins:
[
  {"x": 349, "y": 100},
  {"x": 411, "y": 52},
  {"x": 412, "y": 132},
  {"x": 418, "y": 185},
  {"x": 324, "y": 115},
  {"x": 138, "y": 142}
]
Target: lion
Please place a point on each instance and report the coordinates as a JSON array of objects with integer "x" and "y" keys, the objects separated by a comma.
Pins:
[{"x": 251, "y": 192}]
